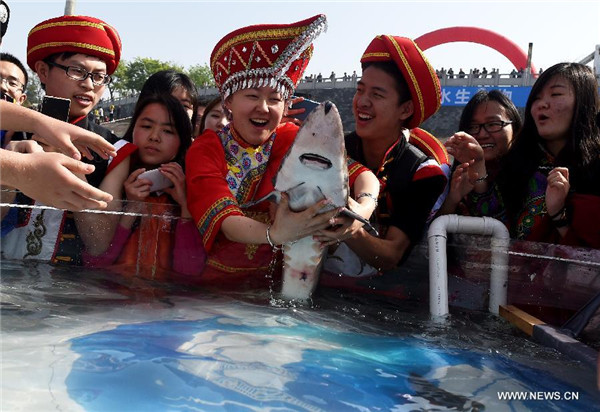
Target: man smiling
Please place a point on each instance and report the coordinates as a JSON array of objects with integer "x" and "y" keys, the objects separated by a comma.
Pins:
[
  {"x": 13, "y": 83},
  {"x": 398, "y": 91},
  {"x": 74, "y": 57}
]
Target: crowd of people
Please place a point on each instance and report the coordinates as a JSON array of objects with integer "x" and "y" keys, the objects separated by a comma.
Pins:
[
  {"x": 477, "y": 73},
  {"x": 539, "y": 175},
  {"x": 331, "y": 78}
]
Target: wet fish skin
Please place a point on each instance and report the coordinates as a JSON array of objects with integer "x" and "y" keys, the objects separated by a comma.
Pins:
[{"x": 314, "y": 168}]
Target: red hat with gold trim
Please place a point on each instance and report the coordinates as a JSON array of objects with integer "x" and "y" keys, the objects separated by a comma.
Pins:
[
  {"x": 422, "y": 80},
  {"x": 274, "y": 55},
  {"x": 79, "y": 34}
]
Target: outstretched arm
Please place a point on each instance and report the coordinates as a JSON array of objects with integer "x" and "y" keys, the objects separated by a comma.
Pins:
[
  {"x": 67, "y": 138},
  {"x": 50, "y": 178},
  {"x": 98, "y": 229},
  {"x": 381, "y": 253}
]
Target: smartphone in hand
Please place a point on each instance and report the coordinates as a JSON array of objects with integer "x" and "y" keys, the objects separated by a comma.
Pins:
[
  {"x": 56, "y": 107},
  {"x": 307, "y": 105},
  {"x": 159, "y": 181},
  {"x": 6, "y": 97}
]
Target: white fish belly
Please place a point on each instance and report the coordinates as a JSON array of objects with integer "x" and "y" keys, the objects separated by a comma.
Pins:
[
  {"x": 301, "y": 268},
  {"x": 310, "y": 186}
]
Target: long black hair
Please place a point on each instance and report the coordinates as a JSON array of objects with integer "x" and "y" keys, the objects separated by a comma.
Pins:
[
  {"x": 484, "y": 96},
  {"x": 178, "y": 117},
  {"x": 165, "y": 82},
  {"x": 214, "y": 102},
  {"x": 581, "y": 154}
]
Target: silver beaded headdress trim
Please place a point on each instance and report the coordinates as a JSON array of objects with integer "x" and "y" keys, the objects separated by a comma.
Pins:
[{"x": 274, "y": 76}]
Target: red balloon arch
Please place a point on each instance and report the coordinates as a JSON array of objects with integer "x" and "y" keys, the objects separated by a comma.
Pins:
[{"x": 503, "y": 45}]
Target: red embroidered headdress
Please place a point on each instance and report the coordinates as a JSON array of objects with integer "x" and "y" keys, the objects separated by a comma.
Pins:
[
  {"x": 79, "y": 34},
  {"x": 273, "y": 55},
  {"x": 422, "y": 80}
]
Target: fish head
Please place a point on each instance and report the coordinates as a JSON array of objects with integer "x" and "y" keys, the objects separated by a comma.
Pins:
[{"x": 315, "y": 167}]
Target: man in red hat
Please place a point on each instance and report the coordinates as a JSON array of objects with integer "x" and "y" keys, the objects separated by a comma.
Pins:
[
  {"x": 74, "y": 57},
  {"x": 397, "y": 92}
]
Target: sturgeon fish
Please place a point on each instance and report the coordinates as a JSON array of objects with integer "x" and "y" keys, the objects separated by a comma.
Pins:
[{"x": 314, "y": 168}]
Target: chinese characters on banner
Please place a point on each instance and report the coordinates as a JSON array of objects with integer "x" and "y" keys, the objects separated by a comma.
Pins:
[{"x": 460, "y": 95}]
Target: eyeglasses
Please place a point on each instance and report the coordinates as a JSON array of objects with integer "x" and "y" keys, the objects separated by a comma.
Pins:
[
  {"x": 13, "y": 83},
  {"x": 77, "y": 73},
  {"x": 490, "y": 127}
]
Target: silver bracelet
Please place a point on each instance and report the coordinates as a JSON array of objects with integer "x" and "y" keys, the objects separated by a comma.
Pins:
[
  {"x": 370, "y": 196},
  {"x": 482, "y": 178},
  {"x": 273, "y": 246}
]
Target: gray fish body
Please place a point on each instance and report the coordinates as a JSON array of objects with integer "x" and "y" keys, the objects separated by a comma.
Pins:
[{"x": 314, "y": 168}]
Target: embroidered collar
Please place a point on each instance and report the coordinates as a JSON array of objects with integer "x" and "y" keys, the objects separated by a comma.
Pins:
[{"x": 245, "y": 163}]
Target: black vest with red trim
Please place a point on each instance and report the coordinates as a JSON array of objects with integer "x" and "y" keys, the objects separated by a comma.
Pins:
[{"x": 405, "y": 160}]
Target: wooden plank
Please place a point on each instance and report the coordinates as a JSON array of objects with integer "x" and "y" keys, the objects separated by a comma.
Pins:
[{"x": 519, "y": 318}]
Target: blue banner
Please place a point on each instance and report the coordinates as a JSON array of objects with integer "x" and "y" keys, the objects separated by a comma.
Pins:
[{"x": 460, "y": 95}]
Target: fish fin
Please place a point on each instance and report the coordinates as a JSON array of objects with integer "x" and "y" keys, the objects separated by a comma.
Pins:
[
  {"x": 274, "y": 196},
  {"x": 353, "y": 215}
]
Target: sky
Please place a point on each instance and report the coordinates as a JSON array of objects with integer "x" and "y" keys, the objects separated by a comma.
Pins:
[{"x": 185, "y": 32}]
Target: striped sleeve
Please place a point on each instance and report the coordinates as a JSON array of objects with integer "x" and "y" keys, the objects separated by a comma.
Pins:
[
  {"x": 209, "y": 199},
  {"x": 354, "y": 170}
]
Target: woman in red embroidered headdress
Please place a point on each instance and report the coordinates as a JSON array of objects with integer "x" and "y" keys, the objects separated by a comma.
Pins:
[{"x": 256, "y": 69}]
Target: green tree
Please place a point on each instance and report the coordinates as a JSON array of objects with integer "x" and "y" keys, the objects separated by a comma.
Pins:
[
  {"x": 131, "y": 75},
  {"x": 138, "y": 71},
  {"x": 117, "y": 85},
  {"x": 34, "y": 90},
  {"x": 201, "y": 75}
]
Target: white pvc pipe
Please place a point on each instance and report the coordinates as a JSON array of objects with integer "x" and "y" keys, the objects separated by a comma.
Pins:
[{"x": 438, "y": 267}]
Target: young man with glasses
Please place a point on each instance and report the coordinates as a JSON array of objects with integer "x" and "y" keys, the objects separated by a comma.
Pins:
[
  {"x": 13, "y": 79},
  {"x": 74, "y": 57},
  {"x": 13, "y": 83}
]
